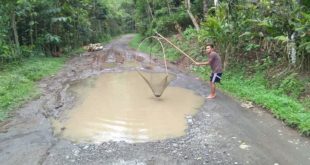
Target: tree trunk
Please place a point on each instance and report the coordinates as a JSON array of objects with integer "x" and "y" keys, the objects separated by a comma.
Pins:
[
  {"x": 193, "y": 20},
  {"x": 179, "y": 29},
  {"x": 31, "y": 35},
  {"x": 205, "y": 9},
  {"x": 169, "y": 8},
  {"x": 228, "y": 50},
  {"x": 150, "y": 9},
  {"x": 14, "y": 27},
  {"x": 31, "y": 29},
  {"x": 216, "y": 3},
  {"x": 291, "y": 45},
  {"x": 188, "y": 7}
]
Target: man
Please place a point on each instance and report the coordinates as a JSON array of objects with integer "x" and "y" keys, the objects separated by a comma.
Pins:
[{"x": 214, "y": 60}]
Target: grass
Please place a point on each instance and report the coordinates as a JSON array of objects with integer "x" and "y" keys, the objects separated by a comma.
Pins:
[
  {"x": 289, "y": 109},
  {"x": 18, "y": 81},
  {"x": 283, "y": 107}
]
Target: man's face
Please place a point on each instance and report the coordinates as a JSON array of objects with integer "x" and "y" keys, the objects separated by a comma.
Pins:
[{"x": 208, "y": 49}]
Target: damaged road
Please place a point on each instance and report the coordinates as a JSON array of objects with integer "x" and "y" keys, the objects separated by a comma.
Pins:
[{"x": 223, "y": 131}]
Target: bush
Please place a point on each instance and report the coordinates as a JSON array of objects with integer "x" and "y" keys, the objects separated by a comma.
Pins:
[{"x": 292, "y": 86}]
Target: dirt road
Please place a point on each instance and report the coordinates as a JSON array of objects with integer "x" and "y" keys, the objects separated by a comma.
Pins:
[{"x": 221, "y": 132}]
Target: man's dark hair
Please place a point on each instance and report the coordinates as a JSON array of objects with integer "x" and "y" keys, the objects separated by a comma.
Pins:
[{"x": 211, "y": 45}]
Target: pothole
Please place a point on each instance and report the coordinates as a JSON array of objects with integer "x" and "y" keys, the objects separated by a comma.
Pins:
[{"x": 121, "y": 107}]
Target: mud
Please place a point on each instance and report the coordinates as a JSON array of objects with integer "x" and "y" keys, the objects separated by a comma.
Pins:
[
  {"x": 121, "y": 107},
  {"x": 221, "y": 132}
]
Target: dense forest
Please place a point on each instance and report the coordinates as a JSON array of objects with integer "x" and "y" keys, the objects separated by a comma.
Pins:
[
  {"x": 266, "y": 38},
  {"x": 265, "y": 30},
  {"x": 32, "y": 27}
]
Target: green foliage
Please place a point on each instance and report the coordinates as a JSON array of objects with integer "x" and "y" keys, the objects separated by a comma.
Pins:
[
  {"x": 250, "y": 47},
  {"x": 202, "y": 72},
  {"x": 153, "y": 48},
  {"x": 145, "y": 46},
  {"x": 162, "y": 16},
  {"x": 213, "y": 30},
  {"x": 263, "y": 64},
  {"x": 5, "y": 51},
  {"x": 306, "y": 103},
  {"x": 291, "y": 85},
  {"x": 172, "y": 55},
  {"x": 52, "y": 39},
  {"x": 136, "y": 40},
  {"x": 166, "y": 25},
  {"x": 18, "y": 81},
  {"x": 190, "y": 33},
  {"x": 254, "y": 31},
  {"x": 14, "y": 89},
  {"x": 54, "y": 26}
]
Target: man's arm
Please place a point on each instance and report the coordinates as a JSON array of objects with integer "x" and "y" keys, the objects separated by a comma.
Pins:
[
  {"x": 202, "y": 63},
  {"x": 210, "y": 58}
]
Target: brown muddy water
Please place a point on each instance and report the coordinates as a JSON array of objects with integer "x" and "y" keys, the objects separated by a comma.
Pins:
[{"x": 121, "y": 107}]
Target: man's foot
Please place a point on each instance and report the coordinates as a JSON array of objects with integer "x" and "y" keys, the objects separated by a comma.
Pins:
[{"x": 211, "y": 97}]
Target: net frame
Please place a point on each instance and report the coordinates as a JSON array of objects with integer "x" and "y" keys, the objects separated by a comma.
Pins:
[{"x": 159, "y": 87}]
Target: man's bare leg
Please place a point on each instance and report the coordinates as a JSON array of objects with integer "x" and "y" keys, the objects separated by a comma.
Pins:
[{"x": 212, "y": 94}]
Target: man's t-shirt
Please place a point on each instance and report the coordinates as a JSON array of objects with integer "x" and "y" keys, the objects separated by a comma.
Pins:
[{"x": 215, "y": 62}]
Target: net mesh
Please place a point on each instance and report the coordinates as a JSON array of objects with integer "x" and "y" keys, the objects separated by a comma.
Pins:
[{"x": 157, "y": 81}]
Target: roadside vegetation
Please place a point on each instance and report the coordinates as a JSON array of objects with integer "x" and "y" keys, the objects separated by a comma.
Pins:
[{"x": 18, "y": 81}]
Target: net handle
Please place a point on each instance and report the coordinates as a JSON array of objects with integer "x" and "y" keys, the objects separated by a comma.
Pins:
[
  {"x": 162, "y": 47},
  {"x": 162, "y": 37}
]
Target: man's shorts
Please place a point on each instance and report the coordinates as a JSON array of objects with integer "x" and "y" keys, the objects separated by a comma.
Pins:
[{"x": 216, "y": 77}]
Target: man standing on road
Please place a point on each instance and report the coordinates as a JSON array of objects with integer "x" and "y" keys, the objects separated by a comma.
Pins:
[{"x": 214, "y": 60}]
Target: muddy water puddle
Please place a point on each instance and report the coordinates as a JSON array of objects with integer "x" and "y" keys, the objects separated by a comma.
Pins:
[{"x": 121, "y": 107}]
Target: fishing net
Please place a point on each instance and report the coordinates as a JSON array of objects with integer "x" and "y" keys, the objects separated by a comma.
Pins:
[
  {"x": 153, "y": 74},
  {"x": 157, "y": 81}
]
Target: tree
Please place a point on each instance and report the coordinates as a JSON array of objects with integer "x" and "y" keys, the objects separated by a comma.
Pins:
[{"x": 188, "y": 10}]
